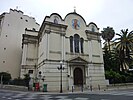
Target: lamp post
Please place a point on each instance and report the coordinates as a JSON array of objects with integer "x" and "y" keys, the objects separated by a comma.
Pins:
[{"x": 61, "y": 68}]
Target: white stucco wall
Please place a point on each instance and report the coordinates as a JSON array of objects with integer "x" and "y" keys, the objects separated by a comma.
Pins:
[{"x": 14, "y": 24}]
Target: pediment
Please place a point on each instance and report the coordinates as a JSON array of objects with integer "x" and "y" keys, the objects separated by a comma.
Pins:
[{"x": 78, "y": 60}]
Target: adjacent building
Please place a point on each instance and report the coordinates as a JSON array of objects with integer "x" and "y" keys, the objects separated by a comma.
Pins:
[
  {"x": 68, "y": 48},
  {"x": 12, "y": 26}
]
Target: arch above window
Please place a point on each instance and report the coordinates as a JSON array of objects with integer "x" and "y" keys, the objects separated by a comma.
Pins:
[
  {"x": 71, "y": 43},
  {"x": 81, "y": 44},
  {"x": 76, "y": 44},
  {"x": 56, "y": 20},
  {"x": 93, "y": 28}
]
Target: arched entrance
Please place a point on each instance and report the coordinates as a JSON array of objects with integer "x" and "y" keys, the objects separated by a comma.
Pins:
[{"x": 78, "y": 76}]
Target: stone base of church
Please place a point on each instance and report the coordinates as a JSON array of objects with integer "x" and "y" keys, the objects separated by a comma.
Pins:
[
  {"x": 92, "y": 77},
  {"x": 66, "y": 87}
]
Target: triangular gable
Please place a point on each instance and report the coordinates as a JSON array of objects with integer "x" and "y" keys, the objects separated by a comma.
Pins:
[{"x": 78, "y": 60}]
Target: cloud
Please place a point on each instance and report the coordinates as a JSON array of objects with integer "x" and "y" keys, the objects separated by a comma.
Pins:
[{"x": 114, "y": 13}]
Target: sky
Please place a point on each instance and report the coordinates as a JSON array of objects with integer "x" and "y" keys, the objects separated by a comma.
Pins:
[{"x": 113, "y": 13}]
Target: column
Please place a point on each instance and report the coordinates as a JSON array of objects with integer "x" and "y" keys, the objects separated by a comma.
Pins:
[
  {"x": 91, "y": 60},
  {"x": 62, "y": 44},
  {"x": 47, "y": 43},
  {"x": 62, "y": 48},
  {"x": 71, "y": 83},
  {"x": 73, "y": 46},
  {"x": 100, "y": 50},
  {"x": 90, "y": 50},
  {"x": 25, "y": 51},
  {"x": 79, "y": 46}
]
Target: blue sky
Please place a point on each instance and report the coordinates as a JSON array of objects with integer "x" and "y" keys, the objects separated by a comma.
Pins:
[{"x": 114, "y": 13}]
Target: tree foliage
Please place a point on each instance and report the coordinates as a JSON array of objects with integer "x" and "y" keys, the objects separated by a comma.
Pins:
[
  {"x": 117, "y": 61},
  {"x": 107, "y": 34},
  {"x": 124, "y": 46},
  {"x": 111, "y": 60}
]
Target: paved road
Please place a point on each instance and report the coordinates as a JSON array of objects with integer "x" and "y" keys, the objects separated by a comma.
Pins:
[{"x": 107, "y": 95}]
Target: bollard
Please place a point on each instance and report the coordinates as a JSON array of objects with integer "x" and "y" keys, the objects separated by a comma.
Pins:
[
  {"x": 72, "y": 88},
  {"x": 91, "y": 87},
  {"x": 99, "y": 87},
  {"x": 82, "y": 88}
]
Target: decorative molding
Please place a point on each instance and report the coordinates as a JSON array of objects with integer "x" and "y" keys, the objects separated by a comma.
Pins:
[
  {"x": 79, "y": 54},
  {"x": 29, "y": 39},
  {"x": 28, "y": 66},
  {"x": 97, "y": 63},
  {"x": 31, "y": 59},
  {"x": 93, "y": 33},
  {"x": 47, "y": 31},
  {"x": 57, "y": 52},
  {"x": 58, "y": 32},
  {"x": 63, "y": 34},
  {"x": 95, "y": 55},
  {"x": 56, "y": 25},
  {"x": 33, "y": 30}
]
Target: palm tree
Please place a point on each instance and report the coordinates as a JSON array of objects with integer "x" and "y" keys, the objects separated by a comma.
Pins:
[
  {"x": 107, "y": 34},
  {"x": 124, "y": 45}
]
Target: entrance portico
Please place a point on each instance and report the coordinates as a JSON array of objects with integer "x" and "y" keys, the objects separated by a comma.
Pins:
[{"x": 77, "y": 68}]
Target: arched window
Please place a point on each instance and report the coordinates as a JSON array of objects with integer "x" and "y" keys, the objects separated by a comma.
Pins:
[
  {"x": 56, "y": 20},
  {"x": 76, "y": 43},
  {"x": 93, "y": 29},
  {"x": 71, "y": 43},
  {"x": 81, "y": 44}
]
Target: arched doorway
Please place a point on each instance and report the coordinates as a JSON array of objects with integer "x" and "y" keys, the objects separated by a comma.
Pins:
[{"x": 78, "y": 76}]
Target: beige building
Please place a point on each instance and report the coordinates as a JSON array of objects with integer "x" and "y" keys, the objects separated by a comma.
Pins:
[
  {"x": 12, "y": 26},
  {"x": 70, "y": 44}
]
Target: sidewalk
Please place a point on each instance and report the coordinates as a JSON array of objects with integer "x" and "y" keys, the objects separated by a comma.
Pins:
[
  {"x": 111, "y": 87},
  {"x": 120, "y": 86}
]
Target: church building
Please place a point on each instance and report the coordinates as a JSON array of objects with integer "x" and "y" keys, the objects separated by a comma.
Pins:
[{"x": 64, "y": 52}]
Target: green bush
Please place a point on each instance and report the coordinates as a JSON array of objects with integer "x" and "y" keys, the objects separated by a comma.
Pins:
[
  {"x": 18, "y": 81},
  {"x": 6, "y": 77},
  {"x": 115, "y": 77},
  {"x": 21, "y": 82}
]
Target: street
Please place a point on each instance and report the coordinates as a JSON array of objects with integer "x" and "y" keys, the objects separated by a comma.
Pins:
[{"x": 103, "y": 95}]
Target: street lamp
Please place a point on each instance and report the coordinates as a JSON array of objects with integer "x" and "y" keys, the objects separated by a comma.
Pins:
[{"x": 61, "y": 68}]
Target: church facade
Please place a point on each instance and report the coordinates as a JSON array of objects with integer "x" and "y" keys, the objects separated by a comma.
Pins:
[{"x": 64, "y": 51}]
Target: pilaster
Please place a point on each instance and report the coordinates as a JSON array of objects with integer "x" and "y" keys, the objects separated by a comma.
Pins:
[
  {"x": 90, "y": 50},
  {"x": 47, "y": 43}
]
